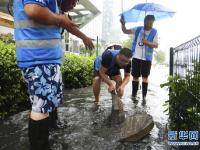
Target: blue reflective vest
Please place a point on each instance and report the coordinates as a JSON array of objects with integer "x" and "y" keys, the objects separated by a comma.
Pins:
[
  {"x": 36, "y": 43},
  {"x": 148, "y": 50},
  {"x": 99, "y": 59}
]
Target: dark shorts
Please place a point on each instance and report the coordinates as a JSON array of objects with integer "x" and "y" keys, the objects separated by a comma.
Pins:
[
  {"x": 140, "y": 68},
  {"x": 44, "y": 83}
]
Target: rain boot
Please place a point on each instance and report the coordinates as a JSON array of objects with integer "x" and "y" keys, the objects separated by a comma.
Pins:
[
  {"x": 38, "y": 132},
  {"x": 53, "y": 120},
  {"x": 135, "y": 85},
  {"x": 144, "y": 90}
]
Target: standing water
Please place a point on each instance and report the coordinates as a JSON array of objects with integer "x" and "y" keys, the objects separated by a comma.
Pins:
[{"x": 89, "y": 130}]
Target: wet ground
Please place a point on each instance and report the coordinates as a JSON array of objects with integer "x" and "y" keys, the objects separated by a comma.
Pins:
[{"x": 88, "y": 130}]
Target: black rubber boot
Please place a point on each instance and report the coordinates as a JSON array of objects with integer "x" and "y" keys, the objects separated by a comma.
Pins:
[
  {"x": 144, "y": 90},
  {"x": 135, "y": 85},
  {"x": 53, "y": 121},
  {"x": 38, "y": 132}
]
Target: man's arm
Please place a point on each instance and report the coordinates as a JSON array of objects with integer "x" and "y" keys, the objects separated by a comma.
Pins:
[
  {"x": 150, "y": 44},
  {"x": 86, "y": 40},
  {"x": 153, "y": 44},
  {"x": 104, "y": 76},
  {"x": 44, "y": 16},
  {"x": 120, "y": 90},
  {"x": 125, "y": 80},
  {"x": 123, "y": 27}
]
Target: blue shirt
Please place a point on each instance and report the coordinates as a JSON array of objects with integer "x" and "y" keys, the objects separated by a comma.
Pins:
[{"x": 36, "y": 43}]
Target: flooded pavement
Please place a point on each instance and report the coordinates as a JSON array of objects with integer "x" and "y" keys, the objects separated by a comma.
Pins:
[{"x": 88, "y": 130}]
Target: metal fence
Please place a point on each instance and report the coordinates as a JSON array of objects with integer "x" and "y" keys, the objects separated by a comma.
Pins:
[{"x": 185, "y": 62}]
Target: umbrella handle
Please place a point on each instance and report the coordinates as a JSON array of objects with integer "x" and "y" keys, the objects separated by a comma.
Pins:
[
  {"x": 122, "y": 9},
  {"x": 144, "y": 34},
  {"x": 122, "y": 5}
]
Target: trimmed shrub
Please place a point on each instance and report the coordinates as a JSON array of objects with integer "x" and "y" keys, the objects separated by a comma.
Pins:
[
  {"x": 13, "y": 95},
  {"x": 183, "y": 106},
  {"x": 77, "y": 71}
]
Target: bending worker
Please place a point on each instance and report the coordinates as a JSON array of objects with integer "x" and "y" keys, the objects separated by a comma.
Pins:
[{"x": 107, "y": 67}]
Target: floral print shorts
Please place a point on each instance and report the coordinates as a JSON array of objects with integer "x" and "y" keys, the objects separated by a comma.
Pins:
[{"x": 44, "y": 83}]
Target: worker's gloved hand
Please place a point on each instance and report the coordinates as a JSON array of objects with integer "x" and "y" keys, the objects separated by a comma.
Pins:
[
  {"x": 120, "y": 91},
  {"x": 122, "y": 20},
  {"x": 88, "y": 43},
  {"x": 66, "y": 22}
]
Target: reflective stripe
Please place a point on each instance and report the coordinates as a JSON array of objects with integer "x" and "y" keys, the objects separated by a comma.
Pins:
[
  {"x": 39, "y": 59},
  {"x": 136, "y": 34},
  {"x": 37, "y": 43},
  {"x": 30, "y": 24}
]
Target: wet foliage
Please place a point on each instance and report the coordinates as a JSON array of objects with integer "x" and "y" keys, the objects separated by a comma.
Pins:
[
  {"x": 13, "y": 95},
  {"x": 183, "y": 105}
]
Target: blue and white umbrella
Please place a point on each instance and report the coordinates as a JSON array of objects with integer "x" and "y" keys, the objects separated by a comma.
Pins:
[{"x": 139, "y": 11}]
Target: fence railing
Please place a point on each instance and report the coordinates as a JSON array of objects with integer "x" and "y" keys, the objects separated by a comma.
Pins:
[{"x": 185, "y": 62}]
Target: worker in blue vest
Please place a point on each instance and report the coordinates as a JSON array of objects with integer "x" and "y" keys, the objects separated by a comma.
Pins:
[
  {"x": 39, "y": 53},
  {"x": 107, "y": 67},
  {"x": 145, "y": 39}
]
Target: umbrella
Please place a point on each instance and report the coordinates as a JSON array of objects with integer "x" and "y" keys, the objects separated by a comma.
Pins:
[{"x": 139, "y": 11}]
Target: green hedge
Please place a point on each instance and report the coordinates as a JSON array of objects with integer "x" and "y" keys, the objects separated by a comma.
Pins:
[
  {"x": 12, "y": 88},
  {"x": 77, "y": 72},
  {"x": 183, "y": 107}
]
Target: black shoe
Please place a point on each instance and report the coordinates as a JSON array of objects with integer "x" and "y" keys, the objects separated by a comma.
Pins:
[{"x": 38, "y": 132}]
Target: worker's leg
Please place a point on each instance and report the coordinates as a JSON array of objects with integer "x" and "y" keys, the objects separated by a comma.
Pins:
[
  {"x": 118, "y": 81},
  {"x": 144, "y": 87},
  {"x": 96, "y": 88},
  {"x": 145, "y": 71},
  {"x": 54, "y": 122},
  {"x": 44, "y": 84},
  {"x": 136, "y": 73}
]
